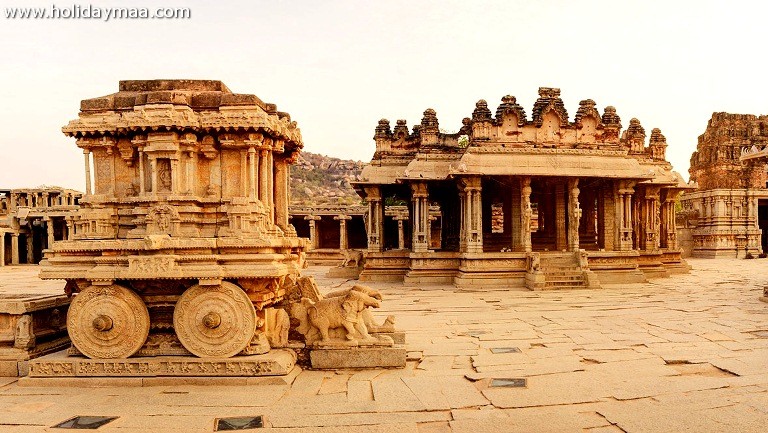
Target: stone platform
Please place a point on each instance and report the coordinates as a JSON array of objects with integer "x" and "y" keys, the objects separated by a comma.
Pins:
[
  {"x": 680, "y": 354},
  {"x": 358, "y": 357},
  {"x": 275, "y": 363},
  {"x": 31, "y": 325},
  {"x": 345, "y": 272}
]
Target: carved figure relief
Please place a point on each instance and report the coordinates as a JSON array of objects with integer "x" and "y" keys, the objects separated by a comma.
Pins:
[{"x": 164, "y": 175}]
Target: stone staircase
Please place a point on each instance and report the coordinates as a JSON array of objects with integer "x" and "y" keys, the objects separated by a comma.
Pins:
[{"x": 562, "y": 271}]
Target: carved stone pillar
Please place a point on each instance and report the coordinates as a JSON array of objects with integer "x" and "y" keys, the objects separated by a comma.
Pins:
[
  {"x": 2, "y": 248},
  {"x": 420, "y": 220},
  {"x": 271, "y": 183},
  {"x": 281, "y": 193},
  {"x": 401, "y": 218},
  {"x": 189, "y": 184},
  {"x": 45, "y": 199},
  {"x": 70, "y": 232},
  {"x": 343, "y": 235},
  {"x": 87, "y": 158},
  {"x": 264, "y": 191},
  {"x": 574, "y": 214},
  {"x": 244, "y": 170},
  {"x": 526, "y": 213},
  {"x": 30, "y": 247},
  {"x": 153, "y": 176},
  {"x": 561, "y": 236},
  {"x": 142, "y": 187},
  {"x": 472, "y": 215},
  {"x": 313, "y": 235},
  {"x": 175, "y": 184},
  {"x": 375, "y": 225},
  {"x": 49, "y": 230},
  {"x": 624, "y": 215},
  {"x": 14, "y": 248},
  {"x": 430, "y": 218},
  {"x": 252, "y": 173},
  {"x": 649, "y": 223}
]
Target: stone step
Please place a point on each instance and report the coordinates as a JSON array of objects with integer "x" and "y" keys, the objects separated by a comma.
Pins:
[{"x": 565, "y": 280}]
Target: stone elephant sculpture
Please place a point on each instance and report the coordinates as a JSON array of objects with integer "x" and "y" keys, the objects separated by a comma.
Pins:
[{"x": 339, "y": 312}]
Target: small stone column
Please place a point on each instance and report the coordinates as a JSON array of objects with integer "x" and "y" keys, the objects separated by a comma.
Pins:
[
  {"x": 526, "y": 213},
  {"x": 244, "y": 172},
  {"x": 49, "y": 230},
  {"x": 574, "y": 214},
  {"x": 343, "y": 235},
  {"x": 420, "y": 195},
  {"x": 87, "y": 158},
  {"x": 142, "y": 187},
  {"x": 375, "y": 224},
  {"x": 650, "y": 220},
  {"x": 624, "y": 216},
  {"x": 561, "y": 236},
  {"x": 271, "y": 184},
  {"x": 14, "y": 248},
  {"x": 264, "y": 192},
  {"x": 281, "y": 193},
  {"x": 153, "y": 175},
  {"x": 252, "y": 173},
  {"x": 70, "y": 232},
  {"x": 45, "y": 199},
  {"x": 313, "y": 238},
  {"x": 30, "y": 248},
  {"x": 175, "y": 184},
  {"x": 2, "y": 248},
  {"x": 401, "y": 219},
  {"x": 472, "y": 215}
]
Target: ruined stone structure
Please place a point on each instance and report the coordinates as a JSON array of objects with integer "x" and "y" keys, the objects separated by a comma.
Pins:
[
  {"x": 330, "y": 229},
  {"x": 540, "y": 202},
  {"x": 728, "y": 214},
  {"x": 181, "y": 245},
  {"x": 31, "y": 219},
  {"x": 31, "y": 325}
]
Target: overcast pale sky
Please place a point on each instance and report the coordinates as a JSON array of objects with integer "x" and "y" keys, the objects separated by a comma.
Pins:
[{"x": 340, "y": 66}]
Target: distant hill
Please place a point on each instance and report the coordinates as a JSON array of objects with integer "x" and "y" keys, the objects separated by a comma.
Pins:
[{"x": 320, "y": 179}]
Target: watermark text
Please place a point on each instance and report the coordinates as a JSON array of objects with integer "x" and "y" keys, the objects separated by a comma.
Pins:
[{"x": 91, "y": 12}]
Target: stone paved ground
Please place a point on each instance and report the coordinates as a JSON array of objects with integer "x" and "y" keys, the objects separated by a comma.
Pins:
[{"x": 688, "y": 353}]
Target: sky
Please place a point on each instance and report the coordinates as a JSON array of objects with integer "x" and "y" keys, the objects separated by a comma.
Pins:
[{"x": 339, "y": 66}]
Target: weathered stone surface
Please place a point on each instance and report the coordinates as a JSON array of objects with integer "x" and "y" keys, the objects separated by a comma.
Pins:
[
  {"x": 31, "y": 325},
  {"x": 276, "y": 362},
  {"x": 358, "y": 357}
]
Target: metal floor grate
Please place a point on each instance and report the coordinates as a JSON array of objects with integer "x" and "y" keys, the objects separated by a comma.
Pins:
[
  {"x": 239, "y": 423},
  {"x": 85, "y": 422}
]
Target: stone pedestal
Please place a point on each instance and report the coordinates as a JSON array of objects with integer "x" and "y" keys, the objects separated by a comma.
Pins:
[
  {"x": 277, "y": 362},
  {"x": 345, "y": 272},
  {"x": 30, "y": 326},
  {"x": 358, "y": 357}
]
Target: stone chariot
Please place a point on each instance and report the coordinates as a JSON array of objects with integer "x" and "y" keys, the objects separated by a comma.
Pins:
[{"x": 182, "y": 243}]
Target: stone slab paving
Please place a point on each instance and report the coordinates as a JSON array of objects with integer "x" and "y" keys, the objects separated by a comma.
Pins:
[{"x": 688, "y": 353}]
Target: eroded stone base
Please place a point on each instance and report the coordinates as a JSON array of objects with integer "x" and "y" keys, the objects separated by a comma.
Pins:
[
  {"x": 276, "y": 362},
  {"x": 31, "y": 325},
  {"x": 358, "y": 357},
  {"x": 345, "y": 272}
]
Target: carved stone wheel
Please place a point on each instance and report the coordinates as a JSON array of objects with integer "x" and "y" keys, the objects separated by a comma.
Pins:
[
  {"x": 108, "y": 322},
  {"x": 214, "y": 321}
]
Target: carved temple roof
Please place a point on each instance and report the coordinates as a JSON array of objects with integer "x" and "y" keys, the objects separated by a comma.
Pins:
[
  {"x": 547, "y": 144},
  {"x": 181, "y": 105}
]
